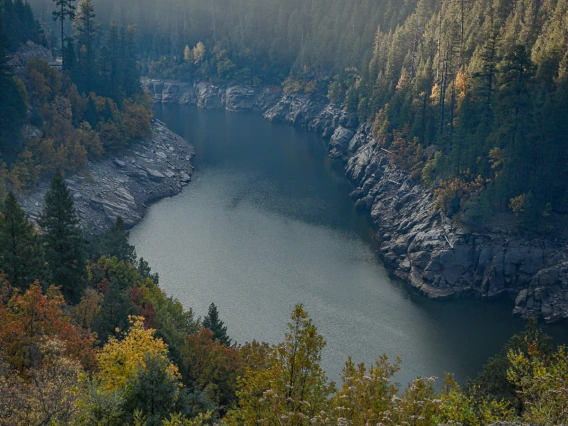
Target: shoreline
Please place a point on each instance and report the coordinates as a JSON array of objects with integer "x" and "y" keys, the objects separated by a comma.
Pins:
[
  {"x": 416, "y": 243},
  {"x": 154, "y": 169}
]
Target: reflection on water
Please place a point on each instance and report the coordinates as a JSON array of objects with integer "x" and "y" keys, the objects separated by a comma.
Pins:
[{"x": 267, "y": 223}]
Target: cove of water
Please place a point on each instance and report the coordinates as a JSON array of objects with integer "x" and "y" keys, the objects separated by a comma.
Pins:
[{"x": 267, "y": 223}]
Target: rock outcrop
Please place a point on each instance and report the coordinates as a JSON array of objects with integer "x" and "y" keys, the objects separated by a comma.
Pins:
[
  {"x": 418, "y": 244},
  {"x": 28, "y": 51},
  {"x": 156, "y": 168}
]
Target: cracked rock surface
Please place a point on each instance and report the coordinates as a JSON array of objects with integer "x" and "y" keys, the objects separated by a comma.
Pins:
[{"x": 124, "y": 186}]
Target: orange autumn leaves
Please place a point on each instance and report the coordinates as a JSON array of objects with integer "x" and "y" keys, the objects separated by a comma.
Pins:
[{"x": 29, "y": 319}]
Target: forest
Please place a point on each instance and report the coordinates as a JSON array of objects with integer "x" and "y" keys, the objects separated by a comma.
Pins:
[
  {"x": 87, "y": 337},
  {"x": 470, "y": 95},
  {"x": 53, "y": 120}
]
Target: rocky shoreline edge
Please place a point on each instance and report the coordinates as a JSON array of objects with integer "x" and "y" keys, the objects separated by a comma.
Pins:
[
  {"x": 156, "y": 168},
  {"x": 417, "y": 244}
]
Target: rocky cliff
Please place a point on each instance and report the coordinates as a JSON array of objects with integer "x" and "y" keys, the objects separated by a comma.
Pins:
[
  {"x": 156, "y": 168},
  {"x": 417, "y": 244}
]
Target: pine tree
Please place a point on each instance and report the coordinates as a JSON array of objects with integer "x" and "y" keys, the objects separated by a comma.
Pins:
[
  {"x": 21, "y": 254},
  {"x": 65, "y": 9},
  {"x": 130, "y": 72},
  {"x": 153, "y": 390},
  {"x": 91, "y": 115},
  {"x": 115, "y": 242},
  {"x": 213, "y": 323},
  {"x": 488, "y": 72},
  {"x": 86, "y": 35},
  {"x": 110, "y": 65},
  {"x": 69, "y": 57},
  {"x": 13, "y": 108},
  {"x": 63, "y": 240}
]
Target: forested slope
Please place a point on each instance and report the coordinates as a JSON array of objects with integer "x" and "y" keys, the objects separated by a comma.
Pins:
[
  {"x": 468, "y": 96},
  {"x": 87, "y": 337},
  {"x": 254, "y": 38},
  {"x": 474, "y": 92},
  {"x": 486, "y": 83},
  {"x": 59, "y": 119}
]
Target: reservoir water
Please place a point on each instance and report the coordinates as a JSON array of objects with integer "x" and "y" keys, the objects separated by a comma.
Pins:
[{"x": 267, "y": 223}]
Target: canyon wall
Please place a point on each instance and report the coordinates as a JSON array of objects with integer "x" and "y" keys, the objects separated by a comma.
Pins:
[{"x": 417, "y": 243}]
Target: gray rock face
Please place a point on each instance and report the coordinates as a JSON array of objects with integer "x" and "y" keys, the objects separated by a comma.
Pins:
[
  {"x": 546, "y": 295},
  {"x": 28, "y": 51},
  {"x": 158, "y": 168},
  {"x": 339, "y": 142},
  {"x": 418, "y": 244}
]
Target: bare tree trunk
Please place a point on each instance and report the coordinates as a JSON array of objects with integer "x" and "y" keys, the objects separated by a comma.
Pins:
[
  {"x": 214, "y": 22},
  {"x": 443, "y": 94},
  {"x": 302, "y": 49},
  {"x": 424, "y": 104},
  {"x": 452, "y": 106},
  {"x": 62, "y": 32},
  {"x": 462, "y": 27},
  {"x": 184, "y": 28},
  {"x": 439, "y": 41}
]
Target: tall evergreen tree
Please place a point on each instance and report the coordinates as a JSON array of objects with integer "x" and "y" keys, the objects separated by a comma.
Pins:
[
  {"x": 13, "y": 108},
  {"x": 19, "y": 23},
  {"x": 21, "y": 254},
  {"x": 110, "y": 64},
  {"x": 153, "y": 390},
  {"x": 115, "y": 242},
  {"x": 213, "y": 323},
  {"x": 63, "y": 240},
  {"x": 69, "y": 57},
  {"x": 131, "y": 74},
  {"x": 86, "y": 35},
  {"x": 64, "y": 9}
]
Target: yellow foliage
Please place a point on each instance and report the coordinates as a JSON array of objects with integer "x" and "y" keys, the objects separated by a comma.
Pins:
[
  {"x": 496, "y": 159},
  {"x": 198, "y": 53},
  {"x": 543, "y": 385},
  {"x": 462, "y": 84},
  {"x": 517, "y": 204},
  {"x": 119, "y": 359},
  {"x": 435, "y": 95},
  {"x": 180, "y": 420},
  {"x": 292, "y": 389},
  {"x": 187, "y": 54}
]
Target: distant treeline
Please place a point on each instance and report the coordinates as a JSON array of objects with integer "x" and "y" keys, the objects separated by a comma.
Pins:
[
  {"x": 19, "y": 24},
  {"x": 266, "y": 39}
]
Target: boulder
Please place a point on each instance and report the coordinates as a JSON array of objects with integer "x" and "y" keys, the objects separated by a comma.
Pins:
[
  {"x": 340, "y": 139},
  {"x": 155, "y": 174}
]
